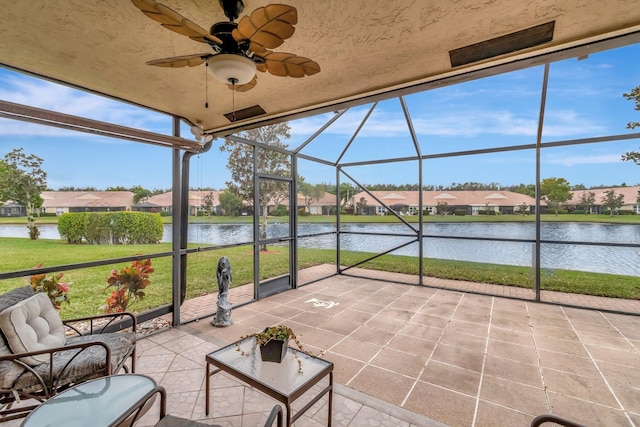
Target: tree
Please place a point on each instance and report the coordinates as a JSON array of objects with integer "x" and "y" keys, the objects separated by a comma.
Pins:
[
  {"x": 612, "y": 201},
  {"x": 72, "y": 188},
  {"x": 522, "y": 209},
  {"x": 528, "y": 189},
  {"x": 346, "y": 191},
  {"x": 587, "y": 200},
  {"x": 555, "y": 191},
  {"x": 140, "y": 194},
  {"x": 441, "y": 207},
  {"x": 207, "y": 203},
  {"x": 229, "y": 202},
  {"x": 269, "y": 162},
  {"x": 361, "y": 206},
  {"x": 311, "y": 193},
  {"x": 634, "y": 95},
  {"x": 22, "y": 180}
]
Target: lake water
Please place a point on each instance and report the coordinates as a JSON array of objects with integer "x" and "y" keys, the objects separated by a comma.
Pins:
[{"x": 594, "y": 258}]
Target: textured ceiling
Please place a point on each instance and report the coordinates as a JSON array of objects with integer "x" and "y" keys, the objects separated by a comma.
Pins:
[{"x": 364, "y": 48}]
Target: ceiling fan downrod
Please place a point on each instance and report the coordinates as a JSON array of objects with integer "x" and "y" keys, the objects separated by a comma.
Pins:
[{"x": 232, "y": 8}]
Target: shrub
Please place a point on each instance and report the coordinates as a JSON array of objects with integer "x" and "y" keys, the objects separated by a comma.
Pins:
[
  {"x": 52, "y": 286},
  {"x": 578, "y": 211},
  {"x": 72, "y": 226},
  {"x": 99, "y": 228},
  {"x": 460, "y": 212},
  {"x": 280, "y": 210},
  {"x": 129, "y": 283}
]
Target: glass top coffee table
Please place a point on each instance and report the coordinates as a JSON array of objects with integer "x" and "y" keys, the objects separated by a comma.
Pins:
[
  {"x": 102, "y": 402},
  {"x": 285, "y": 381}
]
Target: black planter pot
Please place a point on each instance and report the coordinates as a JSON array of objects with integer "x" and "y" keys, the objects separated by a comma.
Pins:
[{"x": 274, "y": 350}]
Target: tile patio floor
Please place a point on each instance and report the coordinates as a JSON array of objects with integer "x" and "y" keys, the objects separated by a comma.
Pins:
[
  {"x": 418, "y": 356},
  {"x": 414, "y": 356}
]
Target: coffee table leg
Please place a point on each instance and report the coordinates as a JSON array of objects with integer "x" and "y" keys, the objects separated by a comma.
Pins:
[
  {"x": 206, "y": 389},
  {"x": 288, "y": 424},
  {"x": 330, "y": 398}
]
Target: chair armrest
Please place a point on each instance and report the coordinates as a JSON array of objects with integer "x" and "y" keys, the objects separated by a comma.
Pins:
[
  {"x": 99, "y": 324},
  {"x": 276, "y": 412},
  {"x": 56, "y": 374},
  {"x": 548, "y": 418}
]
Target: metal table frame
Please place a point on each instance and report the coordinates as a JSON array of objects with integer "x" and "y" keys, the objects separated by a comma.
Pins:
[{"x": 269, "y": 389}]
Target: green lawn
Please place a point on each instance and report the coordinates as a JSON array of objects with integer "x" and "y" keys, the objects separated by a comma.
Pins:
[{"x": 88, "y": 291}]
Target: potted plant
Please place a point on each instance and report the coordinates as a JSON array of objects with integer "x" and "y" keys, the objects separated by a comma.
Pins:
[{"x": 273, "y": 342}]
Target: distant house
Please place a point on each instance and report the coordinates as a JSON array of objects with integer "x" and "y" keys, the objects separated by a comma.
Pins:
[
  {"x": 322, "y": 206},
  {"x": 630, "y": 198},
  {"x": 60, "y": 202},
  {"x": 325, "y": 205},
  {"x": 472, "y": 202},
  {"x": 146, "y": 207},
  {"x": 11, "y": 208},
  {"x": 164, "y": 201}
]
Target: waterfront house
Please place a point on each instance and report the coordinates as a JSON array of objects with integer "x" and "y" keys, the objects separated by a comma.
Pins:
[
  {"x": 60, "y": 202},
  {"x": 471, "y": 202}
]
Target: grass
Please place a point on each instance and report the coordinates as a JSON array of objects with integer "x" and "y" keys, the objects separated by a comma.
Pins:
[{"x": 89, "y": 289}]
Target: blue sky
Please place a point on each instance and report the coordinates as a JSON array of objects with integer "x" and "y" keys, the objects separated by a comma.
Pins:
[{"x": 584, "y": 100}]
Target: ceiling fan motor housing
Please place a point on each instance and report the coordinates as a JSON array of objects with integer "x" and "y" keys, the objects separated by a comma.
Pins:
[{"x": 222, "y": 30}]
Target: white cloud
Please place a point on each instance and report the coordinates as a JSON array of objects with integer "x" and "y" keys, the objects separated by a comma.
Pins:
[
  {"x": 46, "y": 95},
  {"x": 583, "y": 160},
  {"x": 463, "y": 123}
]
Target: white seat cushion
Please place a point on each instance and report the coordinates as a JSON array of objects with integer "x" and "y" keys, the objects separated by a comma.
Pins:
[{"x": 33, "y": 325}]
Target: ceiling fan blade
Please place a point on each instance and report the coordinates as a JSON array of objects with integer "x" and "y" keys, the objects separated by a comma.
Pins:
[
  {"x": 181, "y": 61},
  {"x": 245, "y": 87},
  {"x": 289, "y": 65},
  {"x": 172, "y": 20},
  {"x": 267, "y": 27}
]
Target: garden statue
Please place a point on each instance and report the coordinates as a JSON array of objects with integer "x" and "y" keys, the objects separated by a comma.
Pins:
[{"x": 223, "y": 315}]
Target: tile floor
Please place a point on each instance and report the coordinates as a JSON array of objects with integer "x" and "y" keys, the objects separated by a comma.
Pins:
[{"x": 416, "y": 356}]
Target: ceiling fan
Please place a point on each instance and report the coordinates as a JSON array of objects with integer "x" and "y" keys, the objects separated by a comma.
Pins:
[{"x": 239, "y": 49}]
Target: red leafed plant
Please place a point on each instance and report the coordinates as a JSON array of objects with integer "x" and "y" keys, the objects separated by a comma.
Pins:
[
  {"x": 129, "y": 283},
  {"x": 52, "y": 286}
]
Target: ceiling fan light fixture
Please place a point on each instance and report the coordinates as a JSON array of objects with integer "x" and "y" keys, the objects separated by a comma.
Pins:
[{"x": 232, "y": 69}]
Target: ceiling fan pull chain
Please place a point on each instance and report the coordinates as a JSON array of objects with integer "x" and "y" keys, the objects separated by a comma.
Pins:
[{"x": 206, "y": 86}]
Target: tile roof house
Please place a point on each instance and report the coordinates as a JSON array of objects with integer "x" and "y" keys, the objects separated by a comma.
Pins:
[
  {"x": 60, "y": 202},
  {"x": 11, "y": 208},
  {"x": 164, "y": 201},
  {"x": 630, "y": 198},
  {"x": 407, "y": 202},
  {"x": 322, "y": 206}
]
